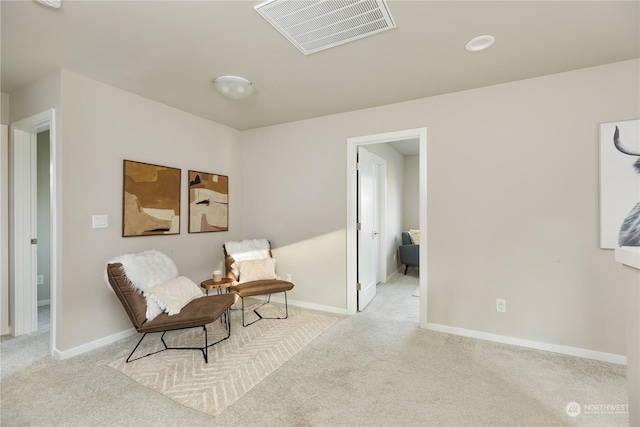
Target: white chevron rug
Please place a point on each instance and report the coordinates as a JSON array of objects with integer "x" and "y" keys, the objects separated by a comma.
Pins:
[{"x": 235, "y": 365}]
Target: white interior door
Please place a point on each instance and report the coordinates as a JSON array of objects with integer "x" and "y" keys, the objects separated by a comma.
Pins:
[
  {"x": 23, "y": 223},
  {"x": 25, "y": 251},
  {"x": 368, "y": 234}
]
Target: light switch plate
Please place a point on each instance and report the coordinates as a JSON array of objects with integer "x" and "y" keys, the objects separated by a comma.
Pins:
[{"x": 100, "y": 221}]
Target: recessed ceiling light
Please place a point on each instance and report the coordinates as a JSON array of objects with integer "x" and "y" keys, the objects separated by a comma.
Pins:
[{"x": 480, "y": 43}]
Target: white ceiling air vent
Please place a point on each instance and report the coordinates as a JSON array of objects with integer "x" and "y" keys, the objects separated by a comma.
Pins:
[{"x": 313, "y": 25}]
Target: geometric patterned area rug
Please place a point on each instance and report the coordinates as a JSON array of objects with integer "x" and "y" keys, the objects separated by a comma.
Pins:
[{"x": 235, "y": 365}]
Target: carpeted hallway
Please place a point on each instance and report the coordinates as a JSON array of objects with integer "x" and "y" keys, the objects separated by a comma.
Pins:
[{"x": 376, "y": 368}]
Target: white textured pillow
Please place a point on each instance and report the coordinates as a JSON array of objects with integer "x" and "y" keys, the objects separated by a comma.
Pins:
[
  {"x": 171, "y": 296},
  {"x": 247, "y": 250},
  {"x": 257, "y": 269},
  {"x": 415, "y": 236}
]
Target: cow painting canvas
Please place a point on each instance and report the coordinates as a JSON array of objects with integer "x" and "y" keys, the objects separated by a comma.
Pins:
[{"x": 620, "y": 184}]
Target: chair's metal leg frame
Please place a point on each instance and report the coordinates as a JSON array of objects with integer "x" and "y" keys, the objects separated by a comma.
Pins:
[
  {"x": 255, "y": 310},
  {"x": 204, "y": 350}
]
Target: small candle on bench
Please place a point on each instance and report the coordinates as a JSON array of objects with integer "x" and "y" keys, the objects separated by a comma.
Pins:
[{"x": 217, "y": 275}]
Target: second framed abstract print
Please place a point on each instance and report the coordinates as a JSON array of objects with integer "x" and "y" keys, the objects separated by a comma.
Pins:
[{"x": 208, "y": 202}]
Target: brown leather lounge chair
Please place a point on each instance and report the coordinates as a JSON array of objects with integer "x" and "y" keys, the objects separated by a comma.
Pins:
[
  {"x": 197, "y": 313},
  {"x": 245, "y": 289}
]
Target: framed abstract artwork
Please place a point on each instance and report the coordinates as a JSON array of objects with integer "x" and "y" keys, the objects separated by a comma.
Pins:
[
  {"x": 208, "y": 202},
  {"x": 620, "y": 184},
  {"x": 151, "y": 200}
]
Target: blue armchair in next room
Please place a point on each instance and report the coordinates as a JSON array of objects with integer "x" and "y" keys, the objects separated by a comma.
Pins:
[{"x": 409, "y": 252}]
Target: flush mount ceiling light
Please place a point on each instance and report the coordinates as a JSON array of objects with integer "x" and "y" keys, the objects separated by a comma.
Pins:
[
  {"x": 51, "y": 3},
  {"x": 320, "y": 24},
  {"x": 480, "y": 43},
  {"x": 233, "y": 87}
]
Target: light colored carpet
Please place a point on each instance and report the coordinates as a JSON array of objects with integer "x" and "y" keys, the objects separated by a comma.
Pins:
[
  {"x": 235, "y": 365},
  {"x": 377, "y": 368},
  {"x": 416, "y": 292},
  {"x": 17, "y": 353}
]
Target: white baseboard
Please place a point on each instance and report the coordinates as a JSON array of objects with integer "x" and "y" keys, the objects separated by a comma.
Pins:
[
  {"x": 392, "y": 276},
  {"x": 335, "y": 310},
  {"x": 554, "y": 348},
  {"x": 61, "y": 355},
  {"x": 44, "y": 302}
]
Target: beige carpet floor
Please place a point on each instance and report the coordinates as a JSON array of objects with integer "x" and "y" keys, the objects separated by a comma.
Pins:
[
  {"x": 235, "y": 365},
  {"x": 375, "y": 368}
]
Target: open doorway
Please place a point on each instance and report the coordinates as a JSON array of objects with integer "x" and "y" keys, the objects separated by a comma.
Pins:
[
  {"x": 34, "y": 236},
  {"x": 43, "y": 212},
  {"x": 414, "y": 135}
]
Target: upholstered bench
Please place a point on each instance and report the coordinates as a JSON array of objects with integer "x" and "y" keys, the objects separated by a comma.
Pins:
[{"x": 254, "y": 273}]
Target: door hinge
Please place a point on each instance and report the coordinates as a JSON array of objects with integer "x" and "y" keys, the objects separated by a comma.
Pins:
[
  {"x": 359, "y": 286},
  {"x": 358, "y": 226},
  {"x": 358, "y": 166},
  {"x": 34, "y": 241}
]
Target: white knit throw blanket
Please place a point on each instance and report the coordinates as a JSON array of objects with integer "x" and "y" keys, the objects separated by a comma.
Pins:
[
  {"x": 146, "y": 270},
  {"x": 248, "y": 249}
]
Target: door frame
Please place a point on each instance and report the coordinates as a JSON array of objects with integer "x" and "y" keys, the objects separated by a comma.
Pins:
[
  {"x": 4, "y": 232},
  {"x": 24, "y": 299},
  {"x": 352, "y": 199}
]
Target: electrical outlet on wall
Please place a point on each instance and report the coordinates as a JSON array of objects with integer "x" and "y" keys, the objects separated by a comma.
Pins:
[
  {"x": 287, "y": 277},
  {"x": 40, "y": 279},
  {"x": 501, "y": 306}
]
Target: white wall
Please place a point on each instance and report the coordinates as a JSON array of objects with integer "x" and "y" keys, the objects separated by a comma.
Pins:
[
  {"x": 411, "y": 211},
  {"x": 512, "y": 204},
  {"x": 296, "y": 198},
  {"x": 36, "y": 98},
  {"x": 4, "y": 108}
]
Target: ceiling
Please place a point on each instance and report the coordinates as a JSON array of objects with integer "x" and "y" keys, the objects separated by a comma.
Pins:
[{"x": 170, "y": 51}]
